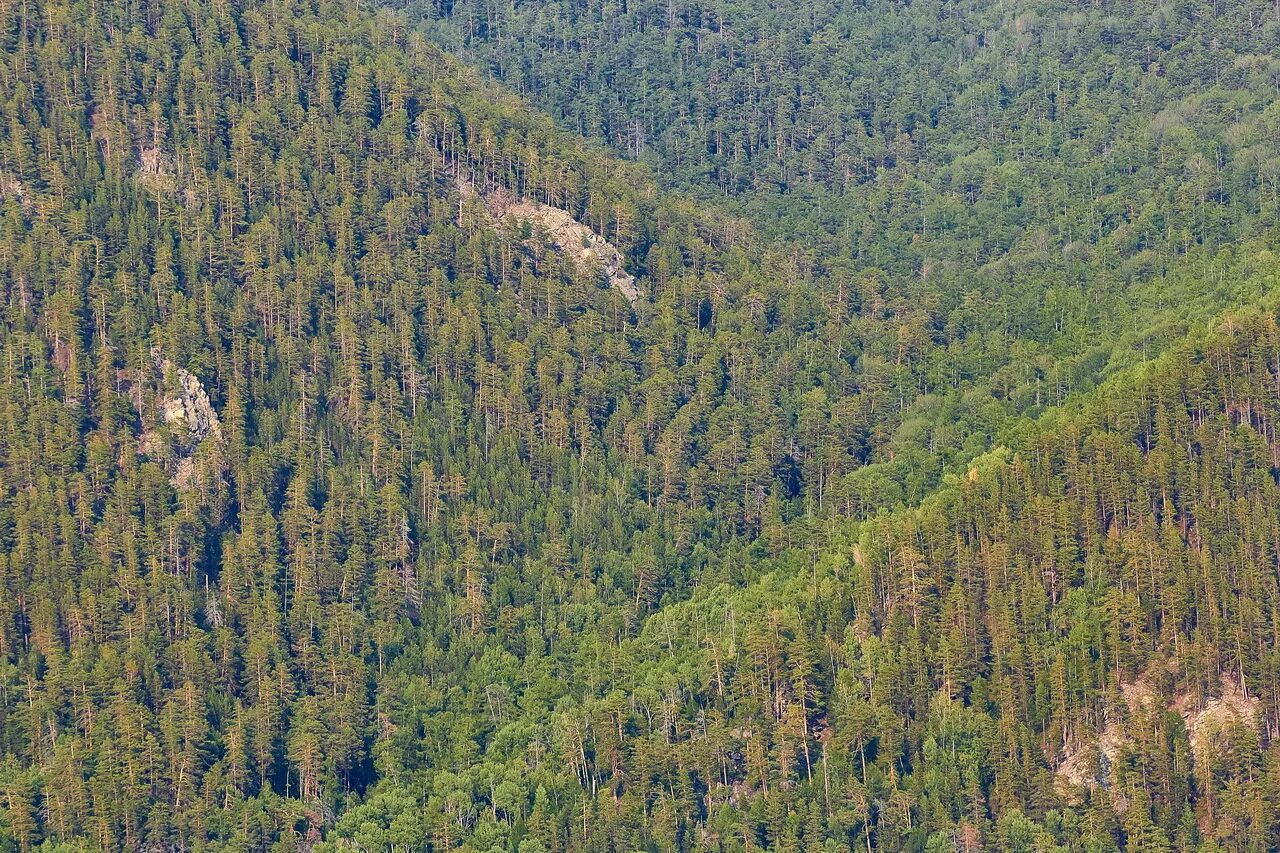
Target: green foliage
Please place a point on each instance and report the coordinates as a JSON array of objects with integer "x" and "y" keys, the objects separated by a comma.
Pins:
[
  {"x": 926, "y": 135},
  {"x": 337, "y": 514}
]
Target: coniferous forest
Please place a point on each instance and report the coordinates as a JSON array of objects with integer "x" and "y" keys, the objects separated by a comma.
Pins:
[{"x": 617, "y": 425}]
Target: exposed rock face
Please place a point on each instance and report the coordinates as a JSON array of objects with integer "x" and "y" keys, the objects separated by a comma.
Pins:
[
  {"x": 11, "y": 187},
  {"x": 573, "y": 240},
  {"x": 1080, "y": 770},
  {"x": 1205, "y": 721},
  {"x": 185, "y": 409},
  {"x": 190, "y": 407},
  {"x": 569, "y": 237},
  {"x": 155, "y": 169},
  {"x": 1090, "y": 764}
]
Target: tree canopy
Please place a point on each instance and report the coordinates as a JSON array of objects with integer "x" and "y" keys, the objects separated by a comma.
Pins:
[{"x": 924, "y": 498}]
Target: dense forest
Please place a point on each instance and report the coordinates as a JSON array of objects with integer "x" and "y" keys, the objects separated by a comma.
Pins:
[
  {"x": 386, "y": 466},
  {"x": 918, "y": 134}
]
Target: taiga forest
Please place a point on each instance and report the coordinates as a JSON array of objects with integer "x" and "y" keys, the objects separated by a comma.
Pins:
[{"x": 541, "y": 426}]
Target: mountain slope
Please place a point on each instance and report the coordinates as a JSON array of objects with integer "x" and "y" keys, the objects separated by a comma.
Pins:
[
  {"x": 1072, "y": 647},
  {"x": 1034, "y": 192},
  {"x": 919, "y": 135},
  {"x": 333, "y": 504}
]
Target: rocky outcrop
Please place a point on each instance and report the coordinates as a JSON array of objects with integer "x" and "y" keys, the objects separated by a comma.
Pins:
[
  {"x": 570, "y": 239},
  {"x": 1089, "y": 765},
  {"x": 155, "y": 169},
  {"x": 183, "y": 409},
  {"x": 11, "y": 187},
  {"x": 1204, "y": 721}
]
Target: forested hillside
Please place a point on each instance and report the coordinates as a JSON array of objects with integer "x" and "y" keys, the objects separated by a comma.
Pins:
[
  {"x": 929, "y": 133},
  {"x": 345, "y": 503},
  {"x": 1079, "y": 178}
]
